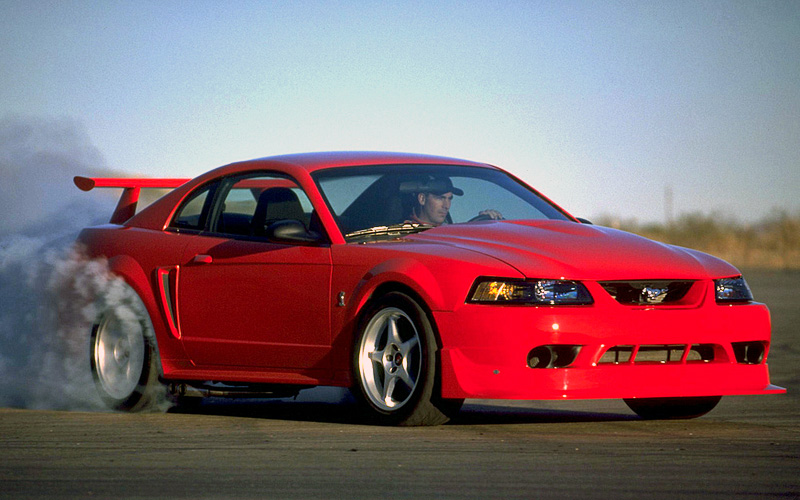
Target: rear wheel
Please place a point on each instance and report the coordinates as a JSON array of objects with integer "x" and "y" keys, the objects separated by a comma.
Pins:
[
  {"x": 394, "y": 362},
  {"x": 672, "y": 408},
  {"x": 124, "y": 362}
]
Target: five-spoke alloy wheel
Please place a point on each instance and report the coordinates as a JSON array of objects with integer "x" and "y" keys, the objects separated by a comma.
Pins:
[
  {"x": 390, "y": 359},
  {"x": 123, "y": 362},
  {"x": 395, "y": 364}
]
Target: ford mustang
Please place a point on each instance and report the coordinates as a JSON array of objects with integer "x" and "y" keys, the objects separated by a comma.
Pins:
[{"x": 416, "y": 281}]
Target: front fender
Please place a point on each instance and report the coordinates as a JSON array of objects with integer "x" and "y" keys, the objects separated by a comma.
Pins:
[
  {"x": 439, "y": 275},
  {"x": 405, "y": 271},
  {"x": 353, "y": 289}
]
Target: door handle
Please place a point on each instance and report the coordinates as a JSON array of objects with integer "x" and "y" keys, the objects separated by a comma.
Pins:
[{"x": 202, "y": 259}]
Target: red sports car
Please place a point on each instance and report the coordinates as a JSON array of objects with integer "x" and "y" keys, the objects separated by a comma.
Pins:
[{"x": 416, "y": 281}]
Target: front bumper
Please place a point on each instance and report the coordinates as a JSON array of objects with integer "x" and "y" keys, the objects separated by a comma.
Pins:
[{"x": 485, "y": 351}]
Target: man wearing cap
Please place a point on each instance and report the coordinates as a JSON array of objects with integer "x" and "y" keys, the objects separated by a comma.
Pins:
[{"x": 433, "y": 202}]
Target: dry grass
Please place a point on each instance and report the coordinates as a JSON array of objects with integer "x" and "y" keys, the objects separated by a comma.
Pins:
[{"x": 771, "y": 243}]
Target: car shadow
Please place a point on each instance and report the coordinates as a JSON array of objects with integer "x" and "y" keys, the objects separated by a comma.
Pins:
[
  {"x": 482, "y": 414},
  {"x": 347, "y": 411}
]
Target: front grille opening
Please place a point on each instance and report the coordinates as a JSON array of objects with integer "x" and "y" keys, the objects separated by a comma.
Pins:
[
  {"x": 617, "y": 354},
  {"x": 701, "y": 353},
  {"x": 667, "y": 353},
  {"x": 660, "y": 354},
  {"x": 639, "y": 293},
  {"x": 749, "y": 353}
]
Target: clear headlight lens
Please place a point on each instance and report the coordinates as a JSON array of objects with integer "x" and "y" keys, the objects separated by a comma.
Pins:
[
  {"x": 732, "y": 290},
  {"x": 537, "y": 292}
]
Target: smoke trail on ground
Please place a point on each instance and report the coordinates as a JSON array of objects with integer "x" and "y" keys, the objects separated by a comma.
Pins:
[{"x": 48, "y": 290}]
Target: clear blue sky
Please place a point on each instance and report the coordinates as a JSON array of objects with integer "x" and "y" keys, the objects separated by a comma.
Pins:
[{"x": 601, "y": 105}]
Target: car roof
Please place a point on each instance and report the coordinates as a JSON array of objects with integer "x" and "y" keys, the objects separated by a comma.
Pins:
[
  {"x": 333, "y": 159},
  {"x": 300, "y": 166}
]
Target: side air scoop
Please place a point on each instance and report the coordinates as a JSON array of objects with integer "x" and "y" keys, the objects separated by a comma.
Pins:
[{"x": 126, "y": 207}]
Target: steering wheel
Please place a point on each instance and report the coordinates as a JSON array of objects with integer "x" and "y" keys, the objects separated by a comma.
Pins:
[{"x": 480, "y": 217}]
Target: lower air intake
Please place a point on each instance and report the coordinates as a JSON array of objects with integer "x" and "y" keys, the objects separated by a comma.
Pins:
[
  {"x": 553, "y": 356},
  {"x": 659, "y": 354},
  {"x": 749, "y": 353}
]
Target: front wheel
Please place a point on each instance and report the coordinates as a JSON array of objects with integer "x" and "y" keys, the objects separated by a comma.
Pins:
[
  {"x": 124, "y": 362},
  {"x": 672, "y": 408},
  {"x": 394, "y": 361}
]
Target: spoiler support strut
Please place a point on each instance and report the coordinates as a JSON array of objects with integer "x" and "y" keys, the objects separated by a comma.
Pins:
[{"x": 131, "y": 188}]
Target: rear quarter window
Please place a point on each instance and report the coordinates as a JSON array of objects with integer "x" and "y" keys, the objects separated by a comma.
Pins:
[{"x": 191, "y": 215}]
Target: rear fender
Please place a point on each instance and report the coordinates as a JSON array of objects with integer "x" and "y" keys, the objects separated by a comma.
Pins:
[{"x": 132, "y": 273}]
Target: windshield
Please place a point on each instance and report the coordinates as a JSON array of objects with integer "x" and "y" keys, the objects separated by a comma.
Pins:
[{"x": 380, "y": 197}]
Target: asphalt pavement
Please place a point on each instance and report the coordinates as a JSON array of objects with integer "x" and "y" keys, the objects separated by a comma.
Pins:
[{"x": 748, "y": 447}]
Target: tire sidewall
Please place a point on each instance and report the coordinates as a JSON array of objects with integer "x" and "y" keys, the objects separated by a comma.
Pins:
[
  {"x": 144, "y": 394},
  {"x": 409, "y": 412}
]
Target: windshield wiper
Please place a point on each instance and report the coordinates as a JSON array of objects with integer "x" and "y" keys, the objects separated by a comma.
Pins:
[{"x": 391, "y": 230}]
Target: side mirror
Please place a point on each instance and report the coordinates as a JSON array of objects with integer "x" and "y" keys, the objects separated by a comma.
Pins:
[
  {"x": 584, "y": 221},
  {"x": 291, "y": 231}
]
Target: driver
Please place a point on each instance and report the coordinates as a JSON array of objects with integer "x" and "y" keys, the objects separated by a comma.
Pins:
[{"x": 433, "y": 199}]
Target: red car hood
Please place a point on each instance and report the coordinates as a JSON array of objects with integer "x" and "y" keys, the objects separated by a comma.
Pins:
[{"x": 555, "y": 249}]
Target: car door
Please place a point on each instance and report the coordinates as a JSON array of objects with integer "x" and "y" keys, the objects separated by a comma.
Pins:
[{"x": 246, "y": 301}]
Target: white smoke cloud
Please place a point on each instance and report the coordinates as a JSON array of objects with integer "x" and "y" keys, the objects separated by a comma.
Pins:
[
  {"x": 50, "y": 293},
  {"x": 38, "y": 159},
  {"x": 48, "y": 290}
]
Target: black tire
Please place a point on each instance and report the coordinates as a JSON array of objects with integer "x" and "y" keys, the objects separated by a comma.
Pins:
[
  {"x": 394, "y": 365},
  {"x": 124, "y": 363},
  {"x": 672, "y": 408}
]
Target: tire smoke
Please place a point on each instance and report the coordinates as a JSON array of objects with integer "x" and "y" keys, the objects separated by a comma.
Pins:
[
  {"x": 50, "y": 292},
  {"x": 48, "y": 289}
]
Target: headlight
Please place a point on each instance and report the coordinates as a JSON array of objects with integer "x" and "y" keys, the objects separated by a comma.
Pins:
[
  {"x": 732, "y": 290},
  {"x": 536, "y": 292}
]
